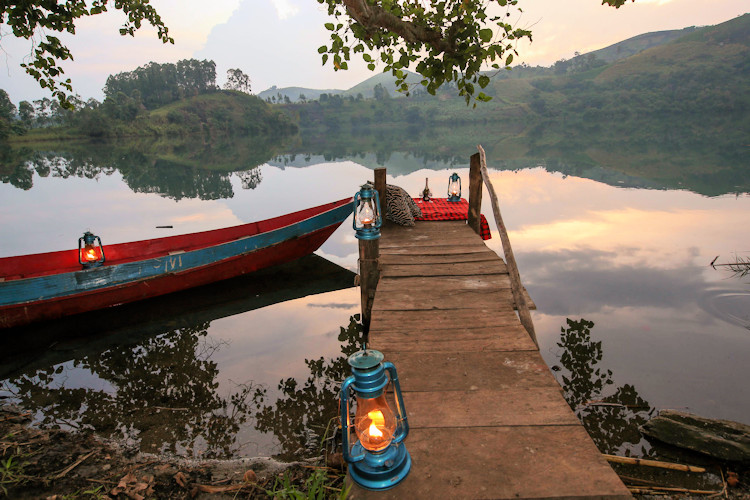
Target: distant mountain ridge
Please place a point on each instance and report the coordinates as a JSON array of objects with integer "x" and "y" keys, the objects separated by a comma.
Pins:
[{"x": 609, "y": 54}]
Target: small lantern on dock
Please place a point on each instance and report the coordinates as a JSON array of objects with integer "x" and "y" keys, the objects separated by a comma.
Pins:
[
  {"x": 454, "y": 187},
  {"x": 378, "y": 459},
  {"x": 367, "y": 219},
  {"x": 90, "y": 251}
]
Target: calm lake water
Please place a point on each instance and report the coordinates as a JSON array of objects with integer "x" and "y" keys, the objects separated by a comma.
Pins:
[{"x": 629, "y": 310}]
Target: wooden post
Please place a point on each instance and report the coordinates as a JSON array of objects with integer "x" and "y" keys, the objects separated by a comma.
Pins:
[
  {"x": 369, "y": 253},
  {"x": 515, "y": 278},
  {"x": 380, "y": 188},
  {"x": 475, "y": 193}
]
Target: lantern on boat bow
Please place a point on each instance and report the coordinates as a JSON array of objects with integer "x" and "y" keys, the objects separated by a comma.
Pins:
[
  {"x": 454, "y": 187},
  {"x": 90, "y": 251},
  {"x": 378, "y": 459},
  {"x": 367, "y": 219}
]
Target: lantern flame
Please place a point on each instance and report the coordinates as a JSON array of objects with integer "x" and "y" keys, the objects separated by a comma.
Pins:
[
  {"x": 377, "y": 418},
  {"x": 90, "y": 253},
  {"x": 366, "y": 214}
]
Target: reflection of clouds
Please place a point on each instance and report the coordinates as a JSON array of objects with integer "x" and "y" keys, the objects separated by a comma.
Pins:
[{"x": 567, "y": 282}]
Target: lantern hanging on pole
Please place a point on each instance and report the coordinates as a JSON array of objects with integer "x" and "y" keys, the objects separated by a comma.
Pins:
[
  {"x": 90, "y": 250},
  {"x": 367, "y": 219},
  {"x": 454, "y": 187},
  {"x": 378, "y": 459}
]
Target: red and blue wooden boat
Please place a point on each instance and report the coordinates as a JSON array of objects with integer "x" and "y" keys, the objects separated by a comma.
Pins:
[{"x": 52, "y": 285}]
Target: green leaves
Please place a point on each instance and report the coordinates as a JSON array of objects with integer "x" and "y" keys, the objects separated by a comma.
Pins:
[
  {"x": 443, "y": 40},
  {"x": 34, "y": 20}
]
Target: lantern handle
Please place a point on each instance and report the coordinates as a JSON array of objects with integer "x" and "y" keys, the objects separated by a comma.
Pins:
[
  {"x": 346, "y": 423},
  {"x": 403, "y": 429}
]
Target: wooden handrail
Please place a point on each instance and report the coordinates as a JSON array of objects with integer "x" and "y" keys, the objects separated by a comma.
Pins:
[{"x": 515, "y": 278}]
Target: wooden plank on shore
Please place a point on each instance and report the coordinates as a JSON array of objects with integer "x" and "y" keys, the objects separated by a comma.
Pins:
[
  {"x": 504, "y": 462},
  {"x": 483, "y": 407}
]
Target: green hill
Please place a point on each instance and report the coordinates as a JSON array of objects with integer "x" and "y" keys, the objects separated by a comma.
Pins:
[
  {"x": 636, "y": 44},
  {"x": 294, "y": 93}
]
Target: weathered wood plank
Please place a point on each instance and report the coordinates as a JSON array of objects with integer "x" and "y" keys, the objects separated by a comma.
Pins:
[
  {"x": 421, "y": 240},
  {"x": 439, "y": 284},
  {"x": 507, "y": 338},
  {"x": 457, "y": 269},
  {"x": 503, "y": 462},
  {"x": 464, "y": 371},
  {"x": 485, "y": 408},
  {"x": 447, "y": 299},
  {"x": 388, "y": 259},
  {"x": 455, "y": 345},
  {"x": 417, "y": 320},
  {"x": 441, "y": 249}
]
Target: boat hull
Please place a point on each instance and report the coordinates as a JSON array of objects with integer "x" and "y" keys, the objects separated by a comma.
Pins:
[{"x": 58, "y": 295}]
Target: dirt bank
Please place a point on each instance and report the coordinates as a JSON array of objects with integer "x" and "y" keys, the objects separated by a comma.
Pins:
[{"x": 57, "y": 464}]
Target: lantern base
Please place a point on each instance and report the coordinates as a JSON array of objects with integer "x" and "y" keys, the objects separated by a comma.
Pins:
[
  {"x": 454, "y": 198},
  {"x": 367, "y": 234},
  {"x": 382, "y": 470}
]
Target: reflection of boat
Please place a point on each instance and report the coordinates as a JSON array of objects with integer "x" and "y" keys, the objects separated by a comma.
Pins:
[
  {"x": 41, "y": 345},
  {"x": 53, "y": 285}
]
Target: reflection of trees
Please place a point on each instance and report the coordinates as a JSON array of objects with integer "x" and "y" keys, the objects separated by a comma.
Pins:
[
  {"x": 300, "y": 417},
  {"x": 250, "y": 178},
  {"x": 611, "y": 415},
  {"x": 161, "y": 392},
  {"x": 176, "y": 168}
]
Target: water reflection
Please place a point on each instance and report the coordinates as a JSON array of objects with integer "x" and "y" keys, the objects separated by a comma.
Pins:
[
  {"x": 175, "y": 168},
  {"x": 199, "y": 167},
  {"x": 301, "y": 417},
  {"x": 610, "y": 413},
  {"x": 164, "y": 392},
  {"x": 166, "y": 378}
]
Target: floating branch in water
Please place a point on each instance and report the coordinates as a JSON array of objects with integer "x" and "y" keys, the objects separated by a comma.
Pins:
[{"x": 740, "y": 267}]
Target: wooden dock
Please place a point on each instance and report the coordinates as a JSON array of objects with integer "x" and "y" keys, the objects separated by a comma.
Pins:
[{"x": 487, "y": 418}]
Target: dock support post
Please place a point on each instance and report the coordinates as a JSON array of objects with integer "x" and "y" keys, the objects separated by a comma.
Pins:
[
  {"x": 369, "y": 253},
  {"x": 475, "y": 193},
  {"x": 380, "y": 188}
]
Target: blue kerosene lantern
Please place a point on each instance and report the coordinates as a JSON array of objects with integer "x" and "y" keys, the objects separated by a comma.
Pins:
[
  {"x": 378, "y": 459},
  {"x": 454, "y": 187},
  {"x": 90, "y": 251},
  {"x": 367, "y": 219}
]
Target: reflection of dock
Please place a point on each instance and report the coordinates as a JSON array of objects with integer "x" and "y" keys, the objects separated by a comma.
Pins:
[{"x": 487, "y": 418}]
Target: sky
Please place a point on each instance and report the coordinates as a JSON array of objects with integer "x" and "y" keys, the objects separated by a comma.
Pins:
[{"x": 275, "y": 42}]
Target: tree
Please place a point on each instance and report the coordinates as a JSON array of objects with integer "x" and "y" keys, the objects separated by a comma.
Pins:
[
  {"x": 7, "y": 115},
  {"x": 237, "y": 80},
  {"x": 445, "y": 40},
  {"x": 35, "y": 19}
]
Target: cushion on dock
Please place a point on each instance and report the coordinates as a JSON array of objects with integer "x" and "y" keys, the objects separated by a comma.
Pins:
[
  {"x": 400, "y": 207},
  {"x": 442, "y": 209}
]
